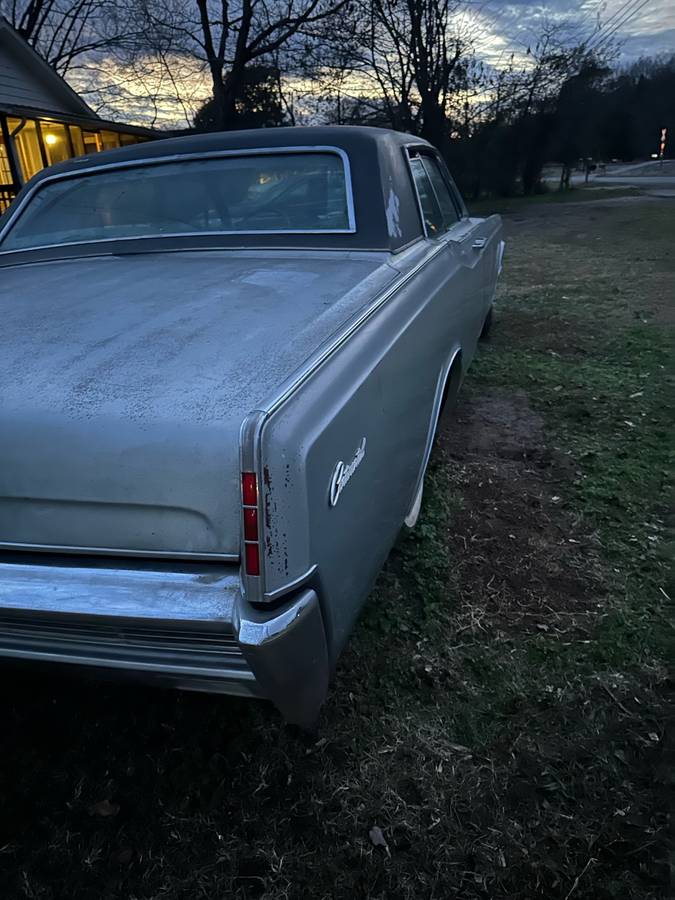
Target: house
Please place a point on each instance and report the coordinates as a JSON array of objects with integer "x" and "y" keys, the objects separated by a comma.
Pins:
[{"x": 42, "y": 120}]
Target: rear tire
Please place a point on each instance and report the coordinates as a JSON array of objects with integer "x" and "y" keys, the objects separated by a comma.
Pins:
[{"x": 487, "y": 325}]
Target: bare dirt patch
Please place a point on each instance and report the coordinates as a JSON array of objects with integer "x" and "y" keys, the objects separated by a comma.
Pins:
[{"x": 525, "y": 557}]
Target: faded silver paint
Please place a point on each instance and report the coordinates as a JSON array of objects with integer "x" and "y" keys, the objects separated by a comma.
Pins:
[
  {"x": 132, "y": 411},
  {"x": 152, "y": 390}
]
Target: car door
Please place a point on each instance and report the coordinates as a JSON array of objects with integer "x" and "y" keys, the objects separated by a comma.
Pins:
[
  {"x": 446, "y": 221},
  {"x": 484, "y": 239}
]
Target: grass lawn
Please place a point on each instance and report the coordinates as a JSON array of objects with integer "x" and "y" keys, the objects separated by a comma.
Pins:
[
  {"x": 500, "y": 724},
  {"x": 577, "y": 194}
]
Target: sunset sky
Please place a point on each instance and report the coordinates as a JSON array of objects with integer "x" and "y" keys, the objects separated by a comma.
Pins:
[{"x": 640, "y": 27}]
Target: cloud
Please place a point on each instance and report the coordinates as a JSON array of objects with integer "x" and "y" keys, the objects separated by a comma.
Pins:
[
  {"x": 655, "y": 44},
  {"x": 642, "y": 30}
]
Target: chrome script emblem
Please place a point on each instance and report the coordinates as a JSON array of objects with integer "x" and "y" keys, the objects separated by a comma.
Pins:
[{"x": 343, "y": 472}]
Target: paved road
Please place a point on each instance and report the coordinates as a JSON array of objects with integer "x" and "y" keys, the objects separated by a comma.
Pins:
[
  {"x": 647, "y": 175},
  {"x": 650, "y": 182},
  {"x": 652, "y": 169}
]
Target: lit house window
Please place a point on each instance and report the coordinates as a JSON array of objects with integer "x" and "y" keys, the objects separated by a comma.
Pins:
[
  {"x": 25, "y": 135},
  {"x": 56, "y": 141},
  {"x": 77, "y": 139},
  {"x": 37, "y": 143},
  {"x": 92, "y": 142},
  {"x": 110, "y": 140}
]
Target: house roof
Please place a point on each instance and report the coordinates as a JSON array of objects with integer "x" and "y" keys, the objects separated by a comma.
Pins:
[{"x": 27, "y": 81}]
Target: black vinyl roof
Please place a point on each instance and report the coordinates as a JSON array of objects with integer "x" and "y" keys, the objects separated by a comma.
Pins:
[
  {"x": 379, "y": 171},
  {"x": 356, "y": 138}
]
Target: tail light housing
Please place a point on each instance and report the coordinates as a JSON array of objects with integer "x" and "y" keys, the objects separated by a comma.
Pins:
[{"x": 249, "y": 499}]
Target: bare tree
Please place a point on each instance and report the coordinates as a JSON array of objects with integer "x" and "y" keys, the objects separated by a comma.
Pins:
[
  {"x": 531, "y": 100},
  {"x": 63, "y": 31},
  {"x": 226, "y": 36},
  {"x": 407, "y": 61}
]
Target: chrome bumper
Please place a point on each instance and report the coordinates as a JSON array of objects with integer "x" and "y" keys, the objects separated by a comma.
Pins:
[{"x": 186, "y": 625}]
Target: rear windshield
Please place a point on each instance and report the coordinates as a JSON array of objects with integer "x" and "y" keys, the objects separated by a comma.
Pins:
[{"x": 273, "y": 193}]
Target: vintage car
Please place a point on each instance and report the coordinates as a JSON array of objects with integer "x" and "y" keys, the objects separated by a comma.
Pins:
[{"x": 222, "y": 363}]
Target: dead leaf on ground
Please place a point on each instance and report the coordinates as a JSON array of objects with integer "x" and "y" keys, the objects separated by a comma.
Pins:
[
  {"x": 377, "y": 838},
  {"x": 460, "y": 748}
]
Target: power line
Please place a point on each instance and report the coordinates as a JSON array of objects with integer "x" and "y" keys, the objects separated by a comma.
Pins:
[
  {"x": 622, "y": 24},
  {"x": 626, "y": 13},
  {"x": 603, "y": 26},
  {"x": 616, "y": 13}
]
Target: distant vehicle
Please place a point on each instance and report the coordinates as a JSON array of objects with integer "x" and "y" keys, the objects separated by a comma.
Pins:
[{"x": 223, "y": 359}]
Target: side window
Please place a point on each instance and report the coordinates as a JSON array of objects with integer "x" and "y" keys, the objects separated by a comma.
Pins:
[
  {"x": 431, "y": 211},
  {"x": 445, "y": 201}
]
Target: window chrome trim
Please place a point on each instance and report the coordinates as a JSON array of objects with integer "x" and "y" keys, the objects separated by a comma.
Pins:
[
  {"x": 425, "y": 150},
  {"x": 408, "y": 150},
  {"x": 178, "y": 158}
]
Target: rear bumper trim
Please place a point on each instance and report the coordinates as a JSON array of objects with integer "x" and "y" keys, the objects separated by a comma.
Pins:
[
  {"x": 188, "y": 677},
  {"x": 133, "y": 590},
  {"x": 188, "y": 627},
  {"x": 185, "y": 650},
  {"x": 289, "y": 655},
  {"x": 150, "y": 620}
]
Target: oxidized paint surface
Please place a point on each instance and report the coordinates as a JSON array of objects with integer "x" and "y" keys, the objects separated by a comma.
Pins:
[{"x": 125, "y": 381}]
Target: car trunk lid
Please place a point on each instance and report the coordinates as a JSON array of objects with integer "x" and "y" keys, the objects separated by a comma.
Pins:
[{"x": 124, "y": 382}]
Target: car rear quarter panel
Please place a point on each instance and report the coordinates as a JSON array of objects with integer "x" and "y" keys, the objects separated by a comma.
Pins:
[{"x": 380, "y": 385}]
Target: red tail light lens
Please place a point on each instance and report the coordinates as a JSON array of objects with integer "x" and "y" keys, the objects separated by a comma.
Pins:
[
  {"x": 249, "y": 489},
  {"x": 250, "y": 524},
  {"x": 249, "y": 498},
  {"x": 252, "y": 559}
]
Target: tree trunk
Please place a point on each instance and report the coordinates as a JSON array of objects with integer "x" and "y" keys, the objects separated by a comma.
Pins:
[
  {"x": 219, "y": 101},
  {"x": 231, "y": 89},
  {"x": 565, "y": 176},
  {"x": 435, "y": 127},
  {"x": 226, "y": 89}
]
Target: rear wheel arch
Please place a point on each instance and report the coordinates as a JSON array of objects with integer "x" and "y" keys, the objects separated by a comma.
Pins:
[
  {"x": 453, "y": 381},
  {"x": 446, "y": 393}
]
